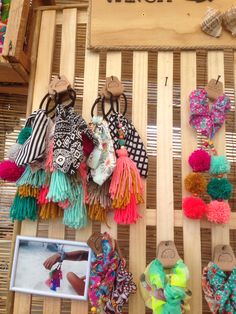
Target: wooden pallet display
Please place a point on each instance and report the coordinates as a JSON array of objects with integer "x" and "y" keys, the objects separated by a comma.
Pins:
[{"x": 165, "y": 217}]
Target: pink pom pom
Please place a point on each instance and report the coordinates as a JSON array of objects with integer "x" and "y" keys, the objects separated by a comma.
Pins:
[
  {"x": 9, "y": 171},
  {"x": 218, "y": 212},
  {"x": 194, "y": 207},
  {"x": 200, "y": 160}
]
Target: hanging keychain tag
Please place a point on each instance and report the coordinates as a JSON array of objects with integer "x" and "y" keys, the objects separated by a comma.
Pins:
[
  {"x": 58, "y": 85},
  {"x": 113, "y": 87},
  {"x": 214, "y": 89},
  {"x": 167, "y": 254},
  {"x": 224, "y": 257},
  {"x": 95, "y": 242}
]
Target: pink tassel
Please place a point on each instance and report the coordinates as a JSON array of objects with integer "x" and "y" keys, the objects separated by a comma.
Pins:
[
  {"x": 42, "y": 198},
  {"x": 84, "y": 175},
  {"x": 126, "y": 189},
  {"x": 65, "y": 204},
  {"x": 49, "y": 159}
]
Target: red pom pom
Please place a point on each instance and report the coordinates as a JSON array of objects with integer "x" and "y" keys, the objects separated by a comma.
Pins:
[
  {"x": 218, "y": 212},
  {"x": 9, "y": 171},
  {"x": 194, "y": 207},
  {"x": 200, "y": 160}
]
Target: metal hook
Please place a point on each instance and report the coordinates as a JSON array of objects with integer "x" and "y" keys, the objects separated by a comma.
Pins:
[
  {"x": 219, "y": 76},
  {"x": 166, "y": 80}
]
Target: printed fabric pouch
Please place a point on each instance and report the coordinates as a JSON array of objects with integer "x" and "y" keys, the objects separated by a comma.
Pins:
[
  {"x": 102, "y": 159},
  {"x": 133, "y": 142},
  {"x": 34, "y": 147},
  {"x": 70, "y": 128}
]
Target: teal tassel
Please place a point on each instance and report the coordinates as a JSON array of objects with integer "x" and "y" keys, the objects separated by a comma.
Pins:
[
  {"x": 36, "y": 179},
  {"x": 60, "y": 188},
  {"x": 76, "y": 215},
  {"x": 24, "y": 208}
]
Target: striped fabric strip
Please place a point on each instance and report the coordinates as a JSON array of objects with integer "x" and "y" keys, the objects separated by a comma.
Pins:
[{"x": 34, "y": 147}]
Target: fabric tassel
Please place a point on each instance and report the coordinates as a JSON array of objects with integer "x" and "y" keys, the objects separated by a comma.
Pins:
[
  {"x": 48, "y": 209},
  {"x": 126, "y": 189},
  {"x": 24, "y": 208},
  {"x": 49, "y": 159},
  {"x": 60, "y": 188},
  {"x": 76, "y": 215},
  {"x": 99, "y": 201},
  {"x": 36, "y": 179},
  {"x": 28, "y": 191}
]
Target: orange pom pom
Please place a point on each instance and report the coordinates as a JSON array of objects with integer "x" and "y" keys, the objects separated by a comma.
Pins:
[{"x": 195, "y": 183}]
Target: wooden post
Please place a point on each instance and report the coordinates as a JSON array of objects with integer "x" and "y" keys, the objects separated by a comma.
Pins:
[
  {"x": 220, "y": 233},
  {"x": 191, "y": 228},
  {"x": 165, "y": 195},
  {"x": 137, "y": 237}
]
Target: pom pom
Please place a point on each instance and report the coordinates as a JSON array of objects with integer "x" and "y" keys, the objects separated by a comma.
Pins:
[
  {"x": 195, "y": 183},
  {"x": 13, "y": 151},
  {"x": 194, "y": 207},
  {"x": 24, "y": 135},
  {"x": 218, "y": 212},
  {"x": 9, "y": 171},
  {"x": 219, "y": 165},
  {"x": 219, "y": 189},
  {"x": 199, "y": 160}
]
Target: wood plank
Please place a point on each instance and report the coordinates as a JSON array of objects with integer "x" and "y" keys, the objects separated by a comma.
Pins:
[
  {"x": 8, "y": 74},
  {"x": 191, "y": 228},
  {"x": 179, "y": 219},
  {"x": 220, "y": 233},
  {"x": 89, "y": 95},
  {"x": 113, "y": 67},
  {"x": 151, "y": 24},
  {"x": 22, "y": 304},
  {"x": 165, "y": 205},
  {"x": 56, "y": 227},
  {"x": 45, "y": 56},
  {"x": 137, "y": 237}
]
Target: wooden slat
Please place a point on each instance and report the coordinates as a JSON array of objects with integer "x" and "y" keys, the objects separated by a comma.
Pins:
[
  {"x": 137, "y": 239},
  {"x": 56, "y": 227},
  {"x": 191, "y": 228},
  {"x": 22, "y": 302},
  {"x": 45, "y": 55},
  {"x": 165, "y": 196},
  {"x": 113, "y": 67},
  {"x": 220, "y": 233},
  {"x": 89, "y": 95}
]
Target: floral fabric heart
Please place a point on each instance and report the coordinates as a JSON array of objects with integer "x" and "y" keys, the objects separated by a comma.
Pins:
[{"x": 205, "y": 120}]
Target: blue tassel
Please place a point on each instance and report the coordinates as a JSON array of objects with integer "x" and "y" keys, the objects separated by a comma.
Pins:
[
  {"x": 36, "y": 179},
  {"x": 60, "y": 188},
  {"x": 24, "y": 208},
  {"x": 75, "y": 216}
]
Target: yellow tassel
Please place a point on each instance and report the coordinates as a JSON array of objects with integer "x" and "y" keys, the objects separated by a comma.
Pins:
[
  {"x": 97, "y": 212},
  {"x": 50, "y": 210},
  {"x": 28, "y": 191}
]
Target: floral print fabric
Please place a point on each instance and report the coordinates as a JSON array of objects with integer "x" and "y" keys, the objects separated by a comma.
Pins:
[
  {"x": 205, "y": 120},
  {"x": 220, "y": 289}
]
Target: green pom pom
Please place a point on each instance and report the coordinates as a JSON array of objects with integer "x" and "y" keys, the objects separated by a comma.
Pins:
[
  {"x": 24, "y": 135},
  {"x": 219, "y": 164},
  {"x": 122, "y": 142},
  {"x": 219, "y": 189}
]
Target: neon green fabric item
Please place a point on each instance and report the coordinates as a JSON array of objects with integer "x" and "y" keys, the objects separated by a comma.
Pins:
[{"x": 165, "y": 291}]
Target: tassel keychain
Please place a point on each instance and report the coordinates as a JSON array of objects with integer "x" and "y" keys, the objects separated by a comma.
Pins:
[
  {"x": 47, "y": 209},
  {"x": 126, "y": 187},
  {"x": 55, "y": 277}
]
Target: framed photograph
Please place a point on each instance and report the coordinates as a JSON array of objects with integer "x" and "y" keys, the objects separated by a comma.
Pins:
[{"x": 51, "y": 267}]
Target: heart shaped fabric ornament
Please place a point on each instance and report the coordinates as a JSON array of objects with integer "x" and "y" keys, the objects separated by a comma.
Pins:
[{"x": 204, "y": 119}]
